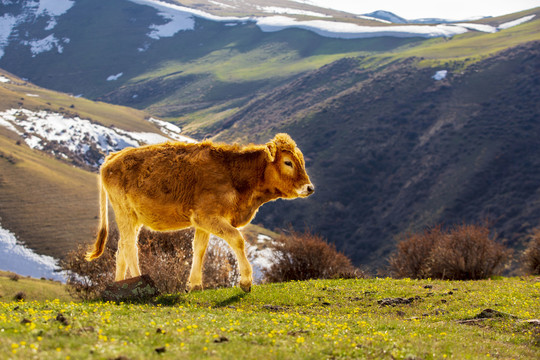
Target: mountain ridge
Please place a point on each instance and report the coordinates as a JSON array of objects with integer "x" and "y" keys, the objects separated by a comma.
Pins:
[{"x": 439, "y": 154}]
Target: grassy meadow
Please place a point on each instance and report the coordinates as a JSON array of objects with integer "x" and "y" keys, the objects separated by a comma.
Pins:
[
  {"x": 322, "y": 319},
  {"x": 34, "y": 289}
]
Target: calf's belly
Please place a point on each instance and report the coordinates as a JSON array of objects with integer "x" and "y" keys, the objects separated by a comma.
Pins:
[{"x": 163, "y": 218}]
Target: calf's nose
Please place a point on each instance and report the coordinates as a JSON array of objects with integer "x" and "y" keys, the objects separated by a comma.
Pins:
[{"x": 310, "y": 189}]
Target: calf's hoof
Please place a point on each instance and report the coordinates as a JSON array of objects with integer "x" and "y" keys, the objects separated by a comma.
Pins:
[
  {"x": 246, "y": 287},
  {"x": 191, "y": 288}
]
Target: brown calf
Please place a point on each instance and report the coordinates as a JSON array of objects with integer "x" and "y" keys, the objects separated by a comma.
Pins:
[{"x": 215, "y": 188}]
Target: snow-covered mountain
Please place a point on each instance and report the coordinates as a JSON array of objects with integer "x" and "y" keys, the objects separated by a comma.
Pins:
[
  {"x": 181, "y": 19},
  {"x": 32, "y": 24},
  {"x": 137, "y": 52}
]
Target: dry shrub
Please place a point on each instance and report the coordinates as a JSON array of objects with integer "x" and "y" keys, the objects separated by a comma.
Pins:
[
  {"x": 464, "y": 252},
  {"x": 467, "y": 252},
  {"x": 86, "y": 280},
  {"x": 304, "y": 256},
  {"x": 414, "y": 249},
  {"x": 165, "y": 256},
  {"x": 220, "y": 266},
  {"x": 531, "y": 255}
]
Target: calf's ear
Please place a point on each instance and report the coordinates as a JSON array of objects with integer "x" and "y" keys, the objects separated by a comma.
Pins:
[
  {"x": 284, "y": 142},
  {"x": 271, "y": 151}
]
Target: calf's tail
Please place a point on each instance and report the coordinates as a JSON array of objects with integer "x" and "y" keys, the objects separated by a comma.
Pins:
[{"x": 101, "y": 239}]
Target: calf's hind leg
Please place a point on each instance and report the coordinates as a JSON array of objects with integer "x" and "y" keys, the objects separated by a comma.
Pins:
[
  {"x": 127, "y": 256},
  {"x": 200, "y": 243}
]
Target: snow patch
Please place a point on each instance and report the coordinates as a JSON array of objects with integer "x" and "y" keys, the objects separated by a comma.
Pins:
[
  {"x": 73, "y": 133},
  {"x": 180, "y": 18},
  {"x": 46, "y": 44},
  {"x": 516, "y": 22},
  {"x": 168, "y": 7},
  {"x": 281, "y": 10},
  {"x": 143, "y": 48},
  {"x": 8, "y": 125},
  {"x": 30, "y": 11},
  {"x": 115, "y": 77},
  {"x": 67, "y": 137},
  {"x": 479, "y": 27},
  {"x": 353, "y": 31},
  {"x": 262, "y": 256},
  {"x": 4, "y": 79},
  {"x": 171, "y": 130},
  {"x": 178, "y": 21},
  {"x": 18, "y": 258},
  {"x": 439, "y": 75},
  {"x": 7, "y": 23},
  {"x": 225, "y": 6},
  {"x": 263, "y": 238},
  {"x": 260, "y": 260},
  {"x": 373, "y": 19},
  {"x": 54, "y": 7},
  {"x": 51, "y": 24}
]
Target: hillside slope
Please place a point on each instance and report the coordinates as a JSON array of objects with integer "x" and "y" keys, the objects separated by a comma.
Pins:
[
  {"x": 395, "y": 150},
  {"x": 50, "y": 204}
]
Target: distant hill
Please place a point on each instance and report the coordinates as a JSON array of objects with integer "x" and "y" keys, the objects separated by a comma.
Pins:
[
  {"x": 395, "y": 150},
  {"x": 191, "y": 64},
  {"x": 388, "y": 16}
]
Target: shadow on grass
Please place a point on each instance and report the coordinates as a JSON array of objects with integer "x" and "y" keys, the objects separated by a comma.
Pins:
[
  {"x": 180, "y": 298},
  {"x": 231, "y": 300},
  {"x": 170, "y": 299}
]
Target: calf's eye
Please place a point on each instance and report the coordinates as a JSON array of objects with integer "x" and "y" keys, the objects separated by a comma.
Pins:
[{"x": 288, "y": 163}]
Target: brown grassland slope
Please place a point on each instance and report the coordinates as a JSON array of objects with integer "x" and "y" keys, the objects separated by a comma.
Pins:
[{"x": 49, "y": 204}]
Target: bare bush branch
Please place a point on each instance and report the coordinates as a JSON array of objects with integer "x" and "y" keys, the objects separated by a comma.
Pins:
[
  {"x": 464, "y": 252},
  {"x": 165, "y": 256},
  {"x": 531, "y": 255},
  {"x": 307, "y": 256}
]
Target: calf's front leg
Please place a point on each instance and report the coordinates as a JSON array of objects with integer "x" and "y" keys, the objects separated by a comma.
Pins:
[{"x": 222, "y": 228}]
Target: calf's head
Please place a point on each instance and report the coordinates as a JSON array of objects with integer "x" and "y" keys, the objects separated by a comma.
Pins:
[{"x": 286, "y": 172}]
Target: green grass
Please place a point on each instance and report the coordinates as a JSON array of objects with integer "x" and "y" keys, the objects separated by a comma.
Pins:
[
  {"x": 338, "y": 319},
  {"x": 34, "y": 289}
]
